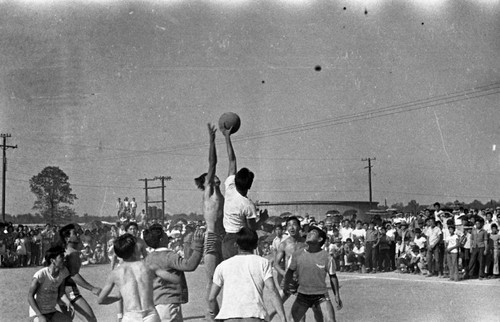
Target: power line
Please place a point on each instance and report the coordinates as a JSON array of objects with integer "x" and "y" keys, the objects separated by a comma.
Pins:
[{"x": 444, "y": 99}]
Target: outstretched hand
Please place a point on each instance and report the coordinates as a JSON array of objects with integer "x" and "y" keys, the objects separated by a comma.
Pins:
[
  {"x": 226, "y": 131},
  {"x": 339, "y": 302},
  {"x": 211, "y": 131},
  {"x": 199, "y": 236}
]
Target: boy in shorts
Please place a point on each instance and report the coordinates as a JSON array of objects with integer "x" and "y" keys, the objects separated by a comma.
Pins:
[
  {"x": 135, "y": 283},
  {"x": 312, "y": 264}
]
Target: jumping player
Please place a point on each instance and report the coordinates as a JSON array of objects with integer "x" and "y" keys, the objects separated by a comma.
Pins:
[
  {"x": 213, "y": 207},
  {"x": 239, "y": 210}
]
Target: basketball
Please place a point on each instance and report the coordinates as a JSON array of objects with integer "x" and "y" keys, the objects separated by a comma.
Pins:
[{"x": 228, "y": 120}]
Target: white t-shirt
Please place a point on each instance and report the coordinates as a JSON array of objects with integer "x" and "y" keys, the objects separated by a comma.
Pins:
[
  {"x": 345, "y": 233},
  {"x": 237, "y": 208},
  {"x": 420, "y": 242},
  {"x": 452, "y": 242},
  {"x": 48, "y": 291},
  {"x": 242, "y": 280},
  {"x": 359, "y": 233}
]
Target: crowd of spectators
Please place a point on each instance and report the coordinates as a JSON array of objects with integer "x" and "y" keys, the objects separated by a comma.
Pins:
[
  {"x": 24, "y": 245},
  {"x": 459, "y": 244}
]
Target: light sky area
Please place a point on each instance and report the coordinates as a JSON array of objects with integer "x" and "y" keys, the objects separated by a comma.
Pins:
[{"x": 115, "y": 91}]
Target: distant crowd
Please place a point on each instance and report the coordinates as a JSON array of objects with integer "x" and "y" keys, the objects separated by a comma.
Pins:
[
  {"x": 24, "y": 245},
  {"x": 458, "y": 245}
]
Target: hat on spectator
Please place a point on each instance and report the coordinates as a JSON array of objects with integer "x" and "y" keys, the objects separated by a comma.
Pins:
[
  {"x": 404, "y": 223},
  {"x": 98, "y": 246}
]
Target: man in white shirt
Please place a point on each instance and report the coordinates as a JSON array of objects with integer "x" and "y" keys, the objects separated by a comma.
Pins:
[
  {"x": 346, "y": 231},
  {"x": 242, "y": 279},
  {"x": 438, "y": 213},
  {"x": 434, "y": 237},
  {"x": 359, "y": 232},
  {"x": 239, "y": 210}
]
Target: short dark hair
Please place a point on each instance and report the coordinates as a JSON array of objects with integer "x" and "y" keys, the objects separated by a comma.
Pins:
[
  {"x": 200, "y": 181},
  {"x": 243, "y": 179},
  {"x": 437, "y": 204},
  {"x": 293, "y": 218},
  {"x": 494, "y": 226},
  {"x": 124, "y": 246},
  {"x": 153, "y": 235},
  {"x": 66, "y": 232},
  {"x": 132, "y": 223},
  {"x": 53, "y": 252},
  {"x": 321, "y": 234},
  {"x": 247, "y": 239}
]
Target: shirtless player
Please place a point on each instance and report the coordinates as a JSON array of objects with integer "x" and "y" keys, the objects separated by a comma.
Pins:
[
  {"x": 286, "y": 249},
  {"x": 213, "y": 207},
  {"x": 71, "y": 240},
  {"x": 134, "y": 281}
]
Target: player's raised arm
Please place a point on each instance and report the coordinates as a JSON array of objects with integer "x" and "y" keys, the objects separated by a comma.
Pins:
[
  {"x": 230, "y": 151},
  {"x": 212, "y": 158}
]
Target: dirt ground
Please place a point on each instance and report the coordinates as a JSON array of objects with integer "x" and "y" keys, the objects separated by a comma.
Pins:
[{"x": 366, "y": 297}]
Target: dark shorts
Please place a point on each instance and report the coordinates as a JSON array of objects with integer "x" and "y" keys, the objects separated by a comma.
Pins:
[
  {"x": 229, "y": 247},
  {"x": 213, "y": 243},
  {"x": 314, "y": 300}
]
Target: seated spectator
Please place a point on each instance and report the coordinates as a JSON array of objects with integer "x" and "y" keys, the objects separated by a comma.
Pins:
[
  {"x": 348, "y": 256},
  {"x": 86, "y": 255},
  {"x": 358, "y": 259},
  {"x": 99, "y": 255}
]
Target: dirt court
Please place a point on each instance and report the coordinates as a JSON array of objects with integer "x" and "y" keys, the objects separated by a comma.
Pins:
[{"x": 367, "y": 297}]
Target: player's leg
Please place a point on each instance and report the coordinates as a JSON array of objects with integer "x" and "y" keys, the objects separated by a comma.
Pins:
[
  {"x": 60, "y": 317},
  {"x": 83, "y": 310},
  {"x": 211, "y": 262},
  {"x": 327, "y": 310},
  {"x": 299, "y": 309}
]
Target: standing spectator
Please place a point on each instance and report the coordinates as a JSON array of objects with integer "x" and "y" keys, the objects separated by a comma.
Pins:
[
  {"x": 346, "y": 231},
  {"x": 20, "y": 249},
  {"x": 452, "y": 245},
  {"x": 119, "y": 208},
  {"x": 384, "y": 260},
  {"x": 36, "y": 247},
  {"x": 133, "y": 209},
  {"x": 434, "y": 237},
  {"x": 359, "y": 232},
  {"x": 494, "y": 254},
  {"x": 141, "y": 219},
  {"x": 479, "y": 249},
  {"x": 47, "y": 238},
  {"x": 370, "y": 248},
  {"x": 438, "y": 213},
  {"x": 27, "y": 245}
]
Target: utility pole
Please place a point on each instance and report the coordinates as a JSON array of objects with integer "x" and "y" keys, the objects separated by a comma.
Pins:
[
  {"x": 369, "y": 175},
  {"x": 4, "y": 148},
  {"x": 162, "y": 187}
]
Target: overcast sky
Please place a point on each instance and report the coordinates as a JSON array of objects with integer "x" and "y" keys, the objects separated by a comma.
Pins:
[{"x": 112, "y": 93}]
